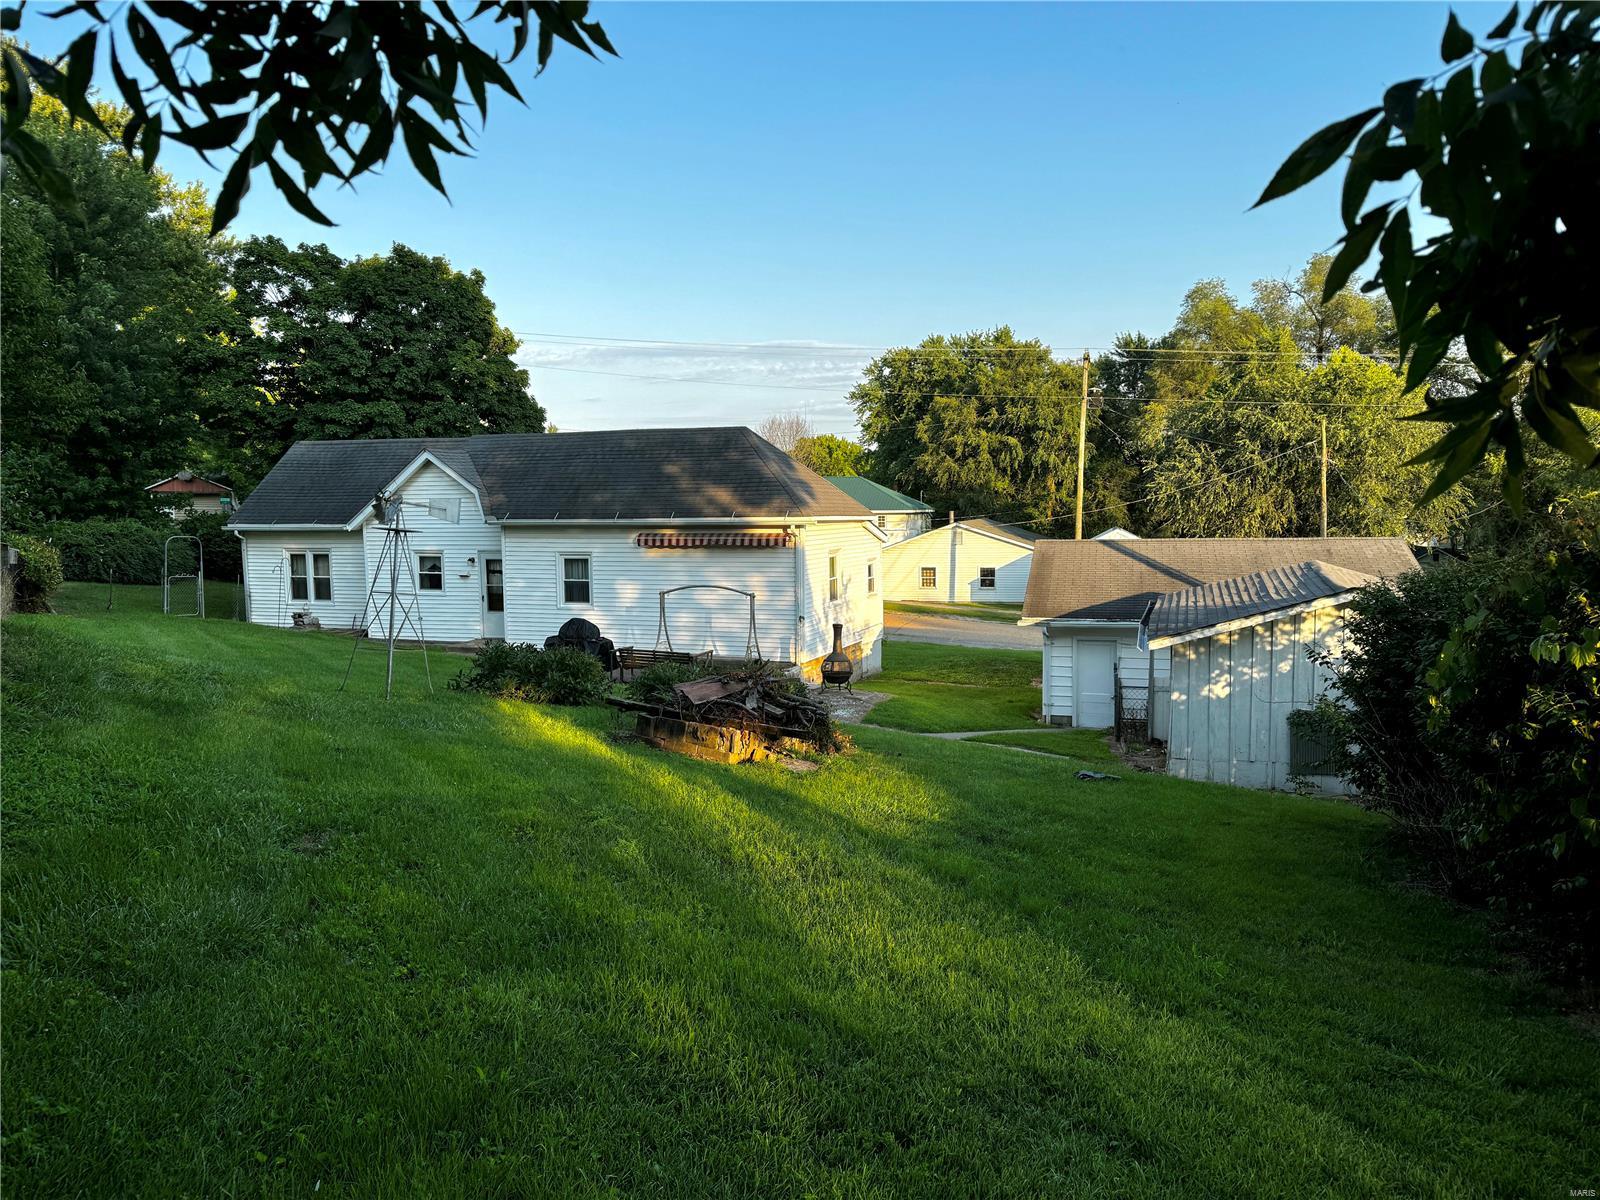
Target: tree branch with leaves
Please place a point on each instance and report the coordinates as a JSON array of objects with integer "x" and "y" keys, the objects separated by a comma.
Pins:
[
  {"x": 311, "y": 92},
  {"x": 1504, "y": 146}
]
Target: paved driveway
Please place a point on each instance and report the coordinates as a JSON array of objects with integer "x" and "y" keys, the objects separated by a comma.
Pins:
[{"x": 959, "y": 631}]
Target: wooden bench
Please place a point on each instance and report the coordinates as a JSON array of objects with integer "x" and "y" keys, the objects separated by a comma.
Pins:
[{"x": 631, "y": 658}]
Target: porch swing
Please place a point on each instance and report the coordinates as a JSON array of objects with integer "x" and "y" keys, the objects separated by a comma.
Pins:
[{"x": 631, "y": 658}]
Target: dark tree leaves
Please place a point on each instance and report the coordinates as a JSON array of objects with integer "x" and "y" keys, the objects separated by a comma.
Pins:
[
  {"x": 1506, "y": 152},
  {"x": 321, "y": 86}
]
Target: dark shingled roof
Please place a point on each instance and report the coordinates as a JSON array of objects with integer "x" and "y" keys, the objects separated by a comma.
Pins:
[
  {"x": 1116, "y": 580},
  {"x": 1254, "y": 595},
  {"x": 644, "y": 474},
  {"x": 875, "y": 496}
]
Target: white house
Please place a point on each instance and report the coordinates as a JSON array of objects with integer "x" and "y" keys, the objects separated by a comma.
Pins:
[
  {"x": 898, "y": 515},
  {"x": 186, "y": 493},
  {"x": 1090, "y": 599},
  {"x": 511, "y": 535},
  {"x": 972, "y": 560},
  {"x": 1241, "y": 663}
]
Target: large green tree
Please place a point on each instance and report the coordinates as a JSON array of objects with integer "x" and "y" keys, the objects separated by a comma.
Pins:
[
  {"x": 396, "y": 345},
  {"x": 105, "y": 320},
  {"x": 829, "y": 454},
  {"x": 981, "y": 422}
]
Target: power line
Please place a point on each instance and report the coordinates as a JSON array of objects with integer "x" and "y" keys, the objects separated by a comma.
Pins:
[
  {"x": 934, "y": 392},
  {"x": 600, "y": 340}
]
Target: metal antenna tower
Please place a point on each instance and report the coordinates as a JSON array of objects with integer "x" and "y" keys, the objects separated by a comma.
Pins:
[{"x": 392, "y": 599}]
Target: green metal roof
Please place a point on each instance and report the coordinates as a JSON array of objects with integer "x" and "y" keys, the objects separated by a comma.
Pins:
[{"x": 875, "y": 496}]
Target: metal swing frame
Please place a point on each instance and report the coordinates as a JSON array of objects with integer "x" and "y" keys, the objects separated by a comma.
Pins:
[
  {"x": 199, "y": 575},
  {"x": 752, "y": 645}
]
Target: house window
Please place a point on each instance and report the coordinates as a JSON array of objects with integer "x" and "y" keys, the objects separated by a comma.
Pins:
[
  {"x": 986, "y": 577},
  {"x": 321, "y": 577},
  {"x": 930, "y": 577},
  {"x": 883, "y": 522},
  {"x": 833, "y": 577},
  {"x": 575, "y": 583},
  {"x": 430, "y": 572},
  {"x": 297, "y": 577},
  {"x": 872, "y": 577}
]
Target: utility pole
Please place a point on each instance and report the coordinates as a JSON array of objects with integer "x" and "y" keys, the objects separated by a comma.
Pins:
[
  {"x": 1324, "y": 476},
  {"x": 1083, "y": 435}
]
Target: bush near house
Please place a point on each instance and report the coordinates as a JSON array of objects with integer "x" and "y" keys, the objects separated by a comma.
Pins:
[
  {"x": 38, "y": 574},
  {"x": 524, "y": 672},
  {"x": 1473, "y": 714}
]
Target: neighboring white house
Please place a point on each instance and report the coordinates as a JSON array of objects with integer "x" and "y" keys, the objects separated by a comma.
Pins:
[
  {"x": 1241, "y": 663},
  {"x": 511, "y": 535},
  {"x": 1116, "y": 533},
  {"x": 1091, "y": 597},
  {"x": 186, "y": 493},
  {"x": 898, "y": 515},
  {"x": 972, "y": 560}
]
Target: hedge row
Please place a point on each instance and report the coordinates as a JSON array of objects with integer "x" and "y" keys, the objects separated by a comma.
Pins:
[{"x": 130, "y": 551}]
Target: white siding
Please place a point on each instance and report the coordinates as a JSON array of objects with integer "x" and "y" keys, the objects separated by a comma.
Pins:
[
  {"x": 957, "y": 564},
  {"x": 625, "y": 583},
  {"x": 1231, "y": 695},
  {"x": 859, "y": 611},
  {"x": 454, "y": 614},
  {"x": 1133, "y": 665},
  {"x": 900, "y": 526},
  {"x": 266, "y": 569}
]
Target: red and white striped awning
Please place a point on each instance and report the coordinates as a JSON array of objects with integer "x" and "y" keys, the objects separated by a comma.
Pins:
[{"x": 720, "y": 541}]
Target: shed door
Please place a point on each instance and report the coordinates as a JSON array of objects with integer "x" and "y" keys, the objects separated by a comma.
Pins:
[{"x": 1093, "y": 681}]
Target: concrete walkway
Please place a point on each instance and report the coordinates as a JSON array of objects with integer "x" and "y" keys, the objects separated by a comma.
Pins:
[{"x": 959, "y": 631}]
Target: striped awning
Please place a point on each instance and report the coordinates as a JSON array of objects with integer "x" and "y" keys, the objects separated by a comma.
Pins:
[{"x": 701, "y": 541}]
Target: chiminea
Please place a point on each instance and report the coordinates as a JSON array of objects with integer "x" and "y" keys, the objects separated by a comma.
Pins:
[{"x": 837, "y": 668}]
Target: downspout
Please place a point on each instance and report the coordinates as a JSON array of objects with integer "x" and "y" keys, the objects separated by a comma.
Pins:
[
  {"x": 244, "y": 571},
  {"x": 800, "y": 583}
]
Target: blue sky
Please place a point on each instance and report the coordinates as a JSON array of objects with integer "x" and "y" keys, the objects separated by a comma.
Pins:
[{"x": 811, "y": 176}]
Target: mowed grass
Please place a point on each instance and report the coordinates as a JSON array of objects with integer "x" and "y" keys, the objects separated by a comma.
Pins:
[
  {"x": 265, "y": 939},
  {"x": 1007, "y": 613},
  {"x": 1083, "y": 745},
  {"x": 947, "y": 689}
]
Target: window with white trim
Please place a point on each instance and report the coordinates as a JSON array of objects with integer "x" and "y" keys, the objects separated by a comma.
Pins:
[
  {"x": 322, "y": 576},
  {"x": 930, "y": 577},
  {"x": 297, "y": 577},
  {"x": 430, "y": 572},
  {"x": 576, "y": 585},
  {"x": 872, "y": 577},
  {"x": 986, "y": 577},
  {"x": 833, "y": 576},
  {"x": 883, "y": 522}
]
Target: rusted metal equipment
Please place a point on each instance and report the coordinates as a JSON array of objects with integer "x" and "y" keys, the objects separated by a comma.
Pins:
[{"x": 738, "y": 717}]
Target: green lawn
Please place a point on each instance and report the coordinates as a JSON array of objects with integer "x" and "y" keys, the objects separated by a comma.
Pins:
[
  {"x": 946, "y": 689},
  {"x": 265, "y": 939},
  {"x": 982, "y": 612},
  {"x": 1086, "y": 746}
]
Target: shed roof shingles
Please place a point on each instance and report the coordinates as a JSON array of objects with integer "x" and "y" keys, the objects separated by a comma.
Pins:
[
  {"x": 624, "y": 474},
  {"x": 1258, "y": 594},
  {"x": 1117, "y": 580}
]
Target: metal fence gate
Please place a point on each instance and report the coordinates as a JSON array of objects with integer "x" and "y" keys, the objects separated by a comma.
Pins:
[{"x": 1131, "y": 708}]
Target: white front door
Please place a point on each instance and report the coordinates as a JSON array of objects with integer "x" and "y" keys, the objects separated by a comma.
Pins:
[
  {"x": 493, "y": 586},
  {"x": 1093, "y": 681}
]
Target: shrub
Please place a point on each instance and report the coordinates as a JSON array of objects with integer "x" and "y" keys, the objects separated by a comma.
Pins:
[
  {"x": 126, "y": 550},
  {"x": 655, "y": 685},
  {"x": 1471, "y": 712},
  {"x": 524, "y": 672},
  {"x": 38, "y": 575},
  {"x": 222, "y": 546}
]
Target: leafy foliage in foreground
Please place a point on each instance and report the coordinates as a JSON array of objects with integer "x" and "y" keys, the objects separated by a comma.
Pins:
[
  {"x": 1474, "y": 719},
  {"x": 39, "y": 573},
  {"x": 524, "y": 672},
  {"x": 1506, "y": 151},
  {"x": 263, "y": 938},
  {"x": 314, "y": 90}
]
